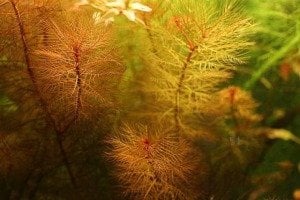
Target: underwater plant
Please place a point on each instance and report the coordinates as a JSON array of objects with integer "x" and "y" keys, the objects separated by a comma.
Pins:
[
  {"x": 57, "y": 67},
  {"x": 149, "y": 99},
  {"x": 153, "y": 163},
  {"x": 192, "y": 54}
]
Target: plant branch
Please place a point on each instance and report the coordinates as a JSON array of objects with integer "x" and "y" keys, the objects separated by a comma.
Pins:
[
  {"x": 149, "y": 158},
  {"x": 78, "y": 85},
  {"x": 59, "y": 132},
  {"x": 180, "y": 85},
  {"x": 29, "y": 63},
  {"x": 59, "y": 139}
]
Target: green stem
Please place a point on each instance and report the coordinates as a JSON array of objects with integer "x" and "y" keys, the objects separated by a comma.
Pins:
[
  {"x": 281, "y": 53},
  {"x": 296, "y": 139}
]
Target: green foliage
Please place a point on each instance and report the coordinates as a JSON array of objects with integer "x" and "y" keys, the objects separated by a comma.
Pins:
[
  {"x": 190, "y": 55},
  {"x": 278, "y": 34}
]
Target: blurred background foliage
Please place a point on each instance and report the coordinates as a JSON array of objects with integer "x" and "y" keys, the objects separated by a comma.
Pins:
[{"x": 272, "y": 76}]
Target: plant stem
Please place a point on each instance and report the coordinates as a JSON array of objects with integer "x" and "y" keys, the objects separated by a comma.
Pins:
[
  {"x": 59, "y": 139},
  {"x": 149, "y": 159},
  {"x": 57, "y": 129},
  {"x": 180, "y": 85},
  {"x": 281, "y": 53},
  {"x": 78, "y": 85},
  {"x": 150, "y": 35},
  {"x": 78, "y": 82}
]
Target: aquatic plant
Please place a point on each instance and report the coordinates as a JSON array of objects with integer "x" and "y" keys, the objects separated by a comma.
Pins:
[
  {"x": 153, "y": 163},
  {"x": 191, "y": 55},
  {"x": 51, "y": 68},
  {"x": 134, "y": 99}
]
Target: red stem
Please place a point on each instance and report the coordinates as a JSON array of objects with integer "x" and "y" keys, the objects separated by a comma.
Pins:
[{"x": 59, "y": 131}]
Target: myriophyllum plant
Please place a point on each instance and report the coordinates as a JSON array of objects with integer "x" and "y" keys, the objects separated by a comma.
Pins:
[
  {"x": 153, "y": 163},
  {"x": 195, "y": 46},
  {"x": 62, "y": 70},
  {"x": 67, "y": 66},
  {"x": 77, "y": 68}
]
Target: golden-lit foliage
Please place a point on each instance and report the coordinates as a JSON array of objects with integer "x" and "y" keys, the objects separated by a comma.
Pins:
[
  {"x": 74, "y": 71},
  {"x": 152, "y": 163},
  {"x": 68, "y": 61},
  {"x": 237, "y": 139},
  {"x": 55, "y": 66},
  {"x": 237, "y": 124},
  {"x": 191, "y": 55},
  {"x": 22, "y": 24},
  {"x": 234, "y": 102},
  {"x": 77, "y": 67},
  {"x": 20, "y": 34}
]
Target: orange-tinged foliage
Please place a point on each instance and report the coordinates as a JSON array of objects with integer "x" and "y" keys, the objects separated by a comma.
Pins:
[
  {"x": 55, "y": 70},
  {"x": 152, "y": 163},
  {"x": 296, "y": 194},
  {"x": 76, "y": 67},
  {"x": 61, "y": 66},
  {"x": 234, "y": 102}
]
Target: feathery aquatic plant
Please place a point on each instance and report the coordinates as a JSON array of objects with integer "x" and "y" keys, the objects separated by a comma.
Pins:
[
  {"x": 77, "y": 70},
  {"x": 60, "y": 66},
  {"x": 196, "y": 46},
  {"x": 153, "y": 163}
]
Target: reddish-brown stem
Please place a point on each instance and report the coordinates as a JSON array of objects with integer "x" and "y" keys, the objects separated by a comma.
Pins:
[
  {"x": 78, "y": 81},
  {"x": 29, "y": 63},
  {"x": 147, "y": 148},
  {"x": 232, "y": 102},
  {"x": 183, "y": 32},
  {"x": 179, "y": 87},
  {"x": 58, "y": 130},
  {"x": 192, "y": 48},
  {"x": 78, "y": 85},
  {"x": 59, "y": 139}
]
